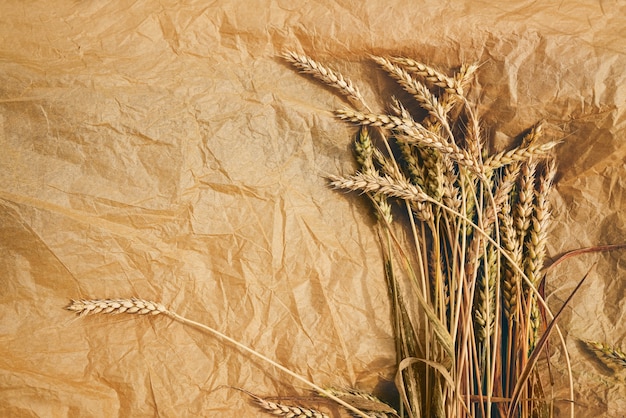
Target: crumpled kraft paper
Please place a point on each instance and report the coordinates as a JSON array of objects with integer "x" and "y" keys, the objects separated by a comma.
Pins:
[{"x": 163, "y": 150}]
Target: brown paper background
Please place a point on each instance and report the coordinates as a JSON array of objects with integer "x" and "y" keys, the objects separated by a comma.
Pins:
[{"x": 162, "y": 150}]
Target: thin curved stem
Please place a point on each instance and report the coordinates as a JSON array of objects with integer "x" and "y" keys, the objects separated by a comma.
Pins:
[{"x": 282, "y": 368}]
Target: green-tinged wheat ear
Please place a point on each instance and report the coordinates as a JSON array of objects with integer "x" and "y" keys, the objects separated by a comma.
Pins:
[
  {"x": 365, "y": 152},
  {"x": 511, "y": 280},
  {"x": 608, "y": 352},
  {"x": 535, "y": 248},
  {"x": 485, "y": 298}
]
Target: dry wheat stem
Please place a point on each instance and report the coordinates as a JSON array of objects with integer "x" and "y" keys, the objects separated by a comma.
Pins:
[
  {"x": 487, "y": 221},
  {"x": 84, "y": 307},
  {"x": 532, "y": 360}
]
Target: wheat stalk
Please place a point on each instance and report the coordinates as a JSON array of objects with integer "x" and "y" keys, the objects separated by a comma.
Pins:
[{"x": 419, "y": 91}]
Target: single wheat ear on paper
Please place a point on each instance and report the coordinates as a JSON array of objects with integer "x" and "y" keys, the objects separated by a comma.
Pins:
[
  {"x": 84, "y": 307},
  {"x": 607, "y": 352}
]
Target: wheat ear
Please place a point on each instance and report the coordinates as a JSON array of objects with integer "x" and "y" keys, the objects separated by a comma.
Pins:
[
  {"x": 328, "y": 76},
  {"x": 538, "y": 231},
  {"x": 485, "y": 298},
  {"x": 364, "y": 152},
  {"x": 84, "y": 307},
  {"x": 510, "y": 279},
  {"x": 367, "y": 402},
  {"x": 609, "y": 352},
  {"x": 450, "y": 85},
  {"x": 430, "y": 161},
  {"x": 466, "y": 74},
  {"x": 368, "y": 183},
  {"x": 412, "y": 132},
  {"x": 518, "y": 154},
  {"x": 419, "y": 91},
  {"x": 282, "y": 410}
]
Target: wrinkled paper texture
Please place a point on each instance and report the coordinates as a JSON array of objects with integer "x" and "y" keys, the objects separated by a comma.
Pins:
[{"x": 164, "y": 150}]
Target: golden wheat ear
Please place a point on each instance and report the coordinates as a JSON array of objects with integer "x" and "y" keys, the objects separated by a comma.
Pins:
[
  {"x": 137, "y": 306},
  {"x": 283, "y": 410},
  {"x": 329, "y": 77},
  {"x": 365, "y": 401}
]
